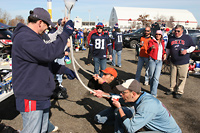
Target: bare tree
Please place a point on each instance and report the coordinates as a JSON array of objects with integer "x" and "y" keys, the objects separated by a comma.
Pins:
[
  {"x": 144, "y": 19},
  {"x": 4, "y": 17},
  {"x": 170, "y": 23},
  {"x": 18, "y": 19},
  {"x": 133, "y": 25}
]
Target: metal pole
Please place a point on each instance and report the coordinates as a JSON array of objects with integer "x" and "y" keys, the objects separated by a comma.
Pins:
[{"x": 89, "y": 18}]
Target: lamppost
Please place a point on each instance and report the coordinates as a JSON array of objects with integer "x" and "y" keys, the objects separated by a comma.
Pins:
[
  {"x": 89, "y": 17},
  {"x": 69, "y": 5}
]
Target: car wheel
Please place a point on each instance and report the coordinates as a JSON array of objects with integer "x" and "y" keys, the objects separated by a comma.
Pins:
[{"x": 133, "y": 44}]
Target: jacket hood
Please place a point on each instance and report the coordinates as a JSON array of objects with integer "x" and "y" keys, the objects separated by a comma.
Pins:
[{"x": 19, "y": 28}]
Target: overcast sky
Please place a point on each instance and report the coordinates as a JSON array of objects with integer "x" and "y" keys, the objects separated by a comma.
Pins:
[{"x": 95, "y": 9}]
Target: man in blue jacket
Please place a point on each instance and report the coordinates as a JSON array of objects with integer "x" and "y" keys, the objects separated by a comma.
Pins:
[
  {"x": 150, "y": 113},
  {"x": 33, "y": 69}
]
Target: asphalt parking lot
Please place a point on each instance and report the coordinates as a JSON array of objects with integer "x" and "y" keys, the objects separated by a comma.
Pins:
[{"x": 75, "y": 114}]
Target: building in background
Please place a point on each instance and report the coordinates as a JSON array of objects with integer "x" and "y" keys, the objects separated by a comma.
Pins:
[
  {"x": 126, "y": 17},
  {"x": 79, "y": 24}
]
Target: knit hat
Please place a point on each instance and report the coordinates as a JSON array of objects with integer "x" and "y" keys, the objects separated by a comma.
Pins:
[
  {"x": 100, "y": 25},
  {"x": 159, "y": 32},
  {"x": 116, "y": 26},
  {"x": 130, "y": 84},
  {"x": 43, "y": 15},
  {"x": 110, "y": 70}
]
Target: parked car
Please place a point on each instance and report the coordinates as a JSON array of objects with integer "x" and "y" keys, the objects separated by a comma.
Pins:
[
  {"x": 196, "y": 39},
  {"x": 193, "y": 31},
  {"x": 132, "y": 39},
  {"x": 5, "y": 40}
]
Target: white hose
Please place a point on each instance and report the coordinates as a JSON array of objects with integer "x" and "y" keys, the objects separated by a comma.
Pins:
[
  {"x": 83, "y": 68},
  {"x": 73, "y": 60}
]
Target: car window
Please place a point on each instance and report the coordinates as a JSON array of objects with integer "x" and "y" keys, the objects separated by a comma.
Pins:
[
  {"x": 193, "y": 31},
  {"x": 5, "y": 34},
  {"x": 141, "y": 30}
]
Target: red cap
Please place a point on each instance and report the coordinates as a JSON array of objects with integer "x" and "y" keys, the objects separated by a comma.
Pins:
[
  {"x": 167, "y": 29},
  {"x": 110, "y": 70}
]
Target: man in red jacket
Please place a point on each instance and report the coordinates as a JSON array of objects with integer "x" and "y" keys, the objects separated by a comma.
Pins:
[{"x": 89, "y": 52}]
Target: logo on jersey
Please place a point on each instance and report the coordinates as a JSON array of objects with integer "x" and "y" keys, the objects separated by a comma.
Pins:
[{"x": 178, "y": 42}]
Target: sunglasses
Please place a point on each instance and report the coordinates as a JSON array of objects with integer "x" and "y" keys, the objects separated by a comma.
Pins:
[
  {"x": 45, "y": 23},
  {"x": 177, "y": 31},
  {"x": 147, "y": 30},
  {"x": 158, "y": 34},
  {"x": 99, "y": 27}
]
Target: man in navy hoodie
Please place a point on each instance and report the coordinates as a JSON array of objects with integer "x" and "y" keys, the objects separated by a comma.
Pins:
[
  {"x": 34, "y": 69},
  {"x": 117, "y": 46},
  {"x": 179, "y": 47}
]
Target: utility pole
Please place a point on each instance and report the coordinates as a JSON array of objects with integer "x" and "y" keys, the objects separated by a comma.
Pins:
[{"x": 89, "y": 17}]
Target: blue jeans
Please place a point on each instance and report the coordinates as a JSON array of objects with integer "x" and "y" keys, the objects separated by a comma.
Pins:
[
  {"x": 155, "y": 67},
  {"x": 35, "y": 121},
  {"x": 99, "y": 62},
  {"x": 50, "y": 127},
  {"x": 110, "y": 116},
  {"x": 118, "y": 57},
  {"x": 106, "y": 116},
  {"x": 119, "y": 127},
  {"x": 141, "y": 62},
  {"x": 59, "y": 76}
]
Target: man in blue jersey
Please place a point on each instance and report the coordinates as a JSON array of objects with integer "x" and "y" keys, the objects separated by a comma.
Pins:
[
  {"x": 99, "y": 44},
  {"x": 117, "y": 45},
  {"x": 150, "y": 113},
  {"x": 179, "y": 47}
]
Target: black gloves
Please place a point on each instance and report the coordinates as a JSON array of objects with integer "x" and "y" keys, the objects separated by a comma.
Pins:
[
  {"x": 70, "y": 74},
  {"x": 69, "y": 27}
]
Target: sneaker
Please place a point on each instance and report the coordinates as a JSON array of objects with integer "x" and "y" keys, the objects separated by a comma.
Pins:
[
  {"x": 55, "y": 129},
  {"x": 60, "y": 85},
  {"x": 177, "y": 96},
  {"x": 169, "y": 92},
  {"x": 118, "y": 66},
  {"x": 83, "y": 49},
  {"x": 146, "y": 83}
]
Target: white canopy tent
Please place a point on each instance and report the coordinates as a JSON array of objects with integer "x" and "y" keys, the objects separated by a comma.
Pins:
[{"x": 126, "y": 16}]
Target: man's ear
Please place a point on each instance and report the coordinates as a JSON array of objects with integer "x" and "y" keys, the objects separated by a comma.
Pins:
[
  {"x": 39, "y": 22},
  {"x": 112, "y": 77},
  {"x": 134, "y": 93}
]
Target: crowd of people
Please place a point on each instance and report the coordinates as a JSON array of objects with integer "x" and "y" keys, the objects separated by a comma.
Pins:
[
  {"x": 38, "y": 56},
  {"x": 138, "y": 110}
]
